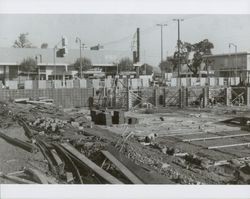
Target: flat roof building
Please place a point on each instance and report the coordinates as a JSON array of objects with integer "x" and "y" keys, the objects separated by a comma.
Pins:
[
  {"x": 230, "y": 64},
  {"x": 10, "y": 59}
]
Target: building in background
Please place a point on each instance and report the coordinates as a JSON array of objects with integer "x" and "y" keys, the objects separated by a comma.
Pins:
[
  {"x": 230, "y": 65},
  {"x": 48, "y": 68}
]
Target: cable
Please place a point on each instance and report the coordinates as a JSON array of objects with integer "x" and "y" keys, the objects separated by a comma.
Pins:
[{"x": 145, "y": 31}]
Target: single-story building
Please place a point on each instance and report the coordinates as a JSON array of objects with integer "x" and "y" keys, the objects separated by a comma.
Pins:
[{"x": 50, "y": 67}]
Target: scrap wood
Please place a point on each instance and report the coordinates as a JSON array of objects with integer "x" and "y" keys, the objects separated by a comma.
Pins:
[
  {"x": 38, "y": 102},
  {"x": 57, "y": 160},
  {"x": 68, "y": 159},
  {"x": 134, "y": 179},
  {"x": 145, "y": 176},
  {"x": 216, "y": 137},
  {"x": 229, "y": 145},
  {"x": 17, "y": 142},
  {"x": 21, "y": 100},
  {"x": 80, "y": 158},
  {"x": 37, "y": 175},
  {"x": 44, "y": 150},
  {"x": 69, "y": 177},
  {"x": 16, "y": 179},
  {"x": 26, "y": 128}
]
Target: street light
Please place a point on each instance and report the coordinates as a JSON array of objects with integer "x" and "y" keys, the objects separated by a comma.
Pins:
[
  {"x": 80, "y": 46},
  {"x": 236, "y": 61}
]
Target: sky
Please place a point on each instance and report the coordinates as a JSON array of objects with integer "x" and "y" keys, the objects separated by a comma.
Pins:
[{"x": 116, "y": 31}]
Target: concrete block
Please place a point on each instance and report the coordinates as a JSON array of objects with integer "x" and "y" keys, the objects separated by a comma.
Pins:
[
  {"x": 203, "y": 81},
  {"x": 42, "y": 84},
  {"x": 221, "y": 81},
  {"x": 12, "y": 84},
  {"x": 76, "y": 83},
  {"x": 69, "y": 84},
  {"x": 83, "y": 83},
  {"x": 108, "y": 83},
  {"x": 183, "y": 81},
  {"x": 49, "y": 84},
  {"x": 174, "y": 82},
  {"x": 96, "y": 83},
  {"x": 28, "y": 84},
  {"x": 58, "y": 84},
  {"x": 193, "y": 81},
  {"x": 212, "y": 81}
]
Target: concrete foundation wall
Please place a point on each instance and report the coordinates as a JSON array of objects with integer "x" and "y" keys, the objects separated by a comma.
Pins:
[{"x": 67, "y": 98}]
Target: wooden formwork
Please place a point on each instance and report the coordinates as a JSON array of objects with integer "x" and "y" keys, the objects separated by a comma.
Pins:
[
  {"x": 171, "y": 96},
  {"x": 239, "y": 95}
]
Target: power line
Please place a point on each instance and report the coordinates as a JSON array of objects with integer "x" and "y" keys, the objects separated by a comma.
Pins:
[{"x": 145, "y": 31}]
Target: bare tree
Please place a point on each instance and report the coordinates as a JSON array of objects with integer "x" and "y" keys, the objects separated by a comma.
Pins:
[{"x": 22, "y": 41}]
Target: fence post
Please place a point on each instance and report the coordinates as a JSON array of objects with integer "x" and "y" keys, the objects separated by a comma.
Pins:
[
  {"x": 205, "y": 91},
  {"x": 228, "y": 96},
  {"x": 164, "y": 97},
  {"x": 181, "y": 97},
  {"x": 186, "y": 97},
  {"x": 156, "y": 97},
  {"x": 248, "y": 96}
]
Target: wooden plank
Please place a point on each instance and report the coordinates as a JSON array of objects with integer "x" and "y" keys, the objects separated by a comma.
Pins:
[
  {"x": 16, "y": 179},
  {"x": 216, "y": 137},
  {"x": 122, "y": 168},
  {"x": 147, "y": 176},
  {"x": 37, "y": 175},
  {"x": 105, "y": 175},
  {"x": 59, "y": 163},
  {"x": 16, "y": 142},
  {"x": 229, "y": 145}
]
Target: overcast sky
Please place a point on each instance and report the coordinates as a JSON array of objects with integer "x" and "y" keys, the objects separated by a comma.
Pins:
[{"x": 115, "y": 32}]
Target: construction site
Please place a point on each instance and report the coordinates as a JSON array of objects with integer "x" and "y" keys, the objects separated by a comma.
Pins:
[
  {"x": 179, "y": 135},
  {"x": 69, "y": 116}
]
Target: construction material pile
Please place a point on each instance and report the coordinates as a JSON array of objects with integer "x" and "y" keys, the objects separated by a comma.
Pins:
[{"x": 71, "y": 149}]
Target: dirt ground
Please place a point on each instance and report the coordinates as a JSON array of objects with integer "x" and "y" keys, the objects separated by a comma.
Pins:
[
  {"x": 175, "y": 125},
  {"x": 168, "y": 157},
  {"x": 15, "y": 159}
]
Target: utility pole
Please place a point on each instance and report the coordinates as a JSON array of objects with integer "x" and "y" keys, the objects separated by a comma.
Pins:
[
  {"x": 161, "y": 25},
  {"x": 138, "y": 44},
  {"x": 178, "y": 44}
]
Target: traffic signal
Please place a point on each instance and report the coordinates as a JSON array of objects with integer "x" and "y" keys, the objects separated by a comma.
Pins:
[
  {"x": 64, "y": 41},
  {"x": 97, "y": 47},
  {"x": 61, "y": 52}
]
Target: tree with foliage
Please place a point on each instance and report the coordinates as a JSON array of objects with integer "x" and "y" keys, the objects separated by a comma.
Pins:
[
  {"x": 191, "y": 55},
  {"x": 44, "y": 45},
  {"x": 166, "y": 66},
  {"x": 28, "y": 65},
  {"x": 125, "y": 64},
  {"x": 146, "y": 69},
  {"x": 86, "y": 64},
  {"x": 22, "y": 41}
]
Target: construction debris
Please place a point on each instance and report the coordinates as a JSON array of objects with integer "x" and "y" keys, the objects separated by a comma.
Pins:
[{"x": 158, "y": 148}]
